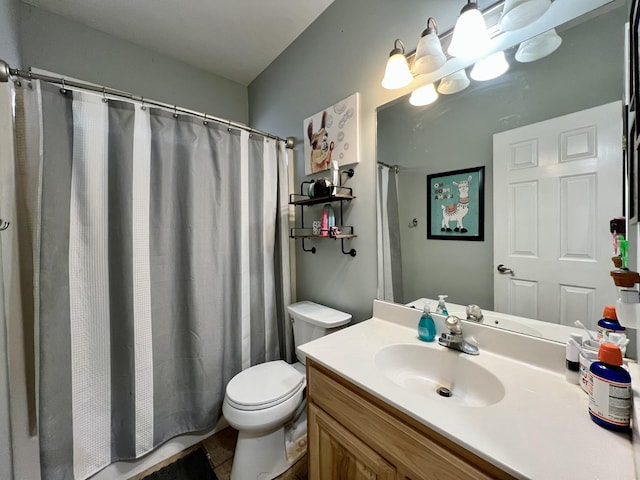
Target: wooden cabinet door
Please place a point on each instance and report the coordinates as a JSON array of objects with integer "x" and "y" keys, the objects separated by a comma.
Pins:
[{"x": 336, "y": 454}]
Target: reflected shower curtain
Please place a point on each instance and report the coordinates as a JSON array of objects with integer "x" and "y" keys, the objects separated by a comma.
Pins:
[
  {"x": 155, "y": 280},
  {"x": 389, "y": 257}
]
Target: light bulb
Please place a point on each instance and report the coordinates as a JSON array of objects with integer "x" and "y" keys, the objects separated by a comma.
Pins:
[
  {"x": 470, "y": 36},
  {"x": 429, "y": 55},
  {"x": 423, "y": 95},
  {"x": 397, "y": 73},
  {"x": 454, "y": 83},
  {"x": 490, "y": 67}
]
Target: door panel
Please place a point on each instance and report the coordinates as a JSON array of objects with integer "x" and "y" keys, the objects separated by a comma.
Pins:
[{"x": 557, "y": 184}]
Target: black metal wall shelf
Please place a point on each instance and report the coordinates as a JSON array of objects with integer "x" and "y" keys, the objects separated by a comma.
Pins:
[{"x": 339, "y": 194}]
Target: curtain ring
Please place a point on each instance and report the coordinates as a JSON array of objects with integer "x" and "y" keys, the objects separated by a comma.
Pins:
[
  {"x": 104, "y": 95},
  {"x": 63, "y": 90},
  {"x": 205, "y": 121},
  {"x": 175, "y": 111},
  {"x": 229, "y": 127},
  {"x": 142, "y": 106}
]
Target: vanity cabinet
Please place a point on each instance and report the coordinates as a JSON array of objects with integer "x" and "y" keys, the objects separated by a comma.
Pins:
[
  {"x": 340, "y": 454},
  {"x": 354, "y": 435}
]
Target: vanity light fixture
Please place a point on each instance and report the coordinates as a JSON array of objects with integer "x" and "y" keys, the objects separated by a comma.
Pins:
[
  {"x": 470, "y": 35},
  {"x": 424, "y": 95},
  {"x": 429, "y": 55},
  {"x": 454, "y": 83},
  {"x": 397, "y": 73},
  {"x": 490, "y": 67},
  {"x": 538, "y": 47},
  {"x": 520, "y": 13}
]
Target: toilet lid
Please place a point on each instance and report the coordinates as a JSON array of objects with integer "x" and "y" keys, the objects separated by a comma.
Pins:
[{"x": 264, "y": 385}]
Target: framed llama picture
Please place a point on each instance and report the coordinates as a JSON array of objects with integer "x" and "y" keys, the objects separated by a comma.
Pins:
[
  {"x": 332, "y": 135},
  {"x": 455, "y": 205}
]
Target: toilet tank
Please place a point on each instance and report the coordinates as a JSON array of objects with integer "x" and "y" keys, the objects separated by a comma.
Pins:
[{"x": 311, "y": 320}]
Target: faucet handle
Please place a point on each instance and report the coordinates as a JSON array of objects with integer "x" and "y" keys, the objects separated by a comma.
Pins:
[
  {"x": 474, "y": 312},
  {"x": 453, "y": 324}
]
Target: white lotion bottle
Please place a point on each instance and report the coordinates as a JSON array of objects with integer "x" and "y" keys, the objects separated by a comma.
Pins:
[{"x": 335, "y": 176}]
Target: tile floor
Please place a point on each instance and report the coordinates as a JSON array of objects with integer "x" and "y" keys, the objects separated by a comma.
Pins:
[{"x": 220, "y": 448}]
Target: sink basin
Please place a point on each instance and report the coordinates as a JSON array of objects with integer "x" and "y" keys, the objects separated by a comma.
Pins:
[{"x": 424, "y": 370}]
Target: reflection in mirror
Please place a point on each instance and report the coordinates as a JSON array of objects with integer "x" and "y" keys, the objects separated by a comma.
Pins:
[{"x": 456, "y": 132}]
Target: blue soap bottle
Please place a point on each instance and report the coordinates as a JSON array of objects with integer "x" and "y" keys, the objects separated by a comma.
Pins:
[{"x": 426, "y": 326}]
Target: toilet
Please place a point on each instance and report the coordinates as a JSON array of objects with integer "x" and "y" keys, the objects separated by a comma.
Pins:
[{"x": 266, "y": 402}]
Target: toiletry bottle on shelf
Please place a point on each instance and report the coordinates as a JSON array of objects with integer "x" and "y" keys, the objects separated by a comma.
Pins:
[
  {"x": 335, "y": 176},
  {"x": 572, "y": 359},
  {"x": 442, "y": 308},
  {"x": 610, "y": 390},
  {"x": 331, "y": 219},
  {"x": 426, "y": 326},
  {"x": 609, "y": 323},
  {"x": 324, "y": 225}
]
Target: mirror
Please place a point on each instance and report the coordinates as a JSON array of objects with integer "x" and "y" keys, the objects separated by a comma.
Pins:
[{"x": 456, "y": 133}]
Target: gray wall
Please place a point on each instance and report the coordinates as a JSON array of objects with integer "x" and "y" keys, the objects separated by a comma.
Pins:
[
  {"x": 342, "y": 52},
  {"x": 457, "y": 131},
  {"x": 53, "y": 43},
  {"x": 345, "y": 51},
  {"x": 9, "y": 27}
]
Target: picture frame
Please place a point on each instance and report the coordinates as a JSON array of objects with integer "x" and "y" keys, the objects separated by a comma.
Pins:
[
  {"x": 332, "y": 135},
  {"x": 455, "y": 205}
]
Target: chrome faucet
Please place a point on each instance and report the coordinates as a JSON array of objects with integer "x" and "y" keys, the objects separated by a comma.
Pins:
[
  {"x": 454, "y": 339},
  {"x": 474, "y": 313}
]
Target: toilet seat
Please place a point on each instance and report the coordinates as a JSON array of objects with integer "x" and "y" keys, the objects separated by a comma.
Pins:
[{"x": 264, "y": 385}]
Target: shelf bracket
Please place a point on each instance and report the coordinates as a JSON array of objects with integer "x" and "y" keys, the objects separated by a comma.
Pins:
[
  {"x": 312, "y": 249},
  {"x": 350, "y": 173},
  {"x": 351, "y": 252}
]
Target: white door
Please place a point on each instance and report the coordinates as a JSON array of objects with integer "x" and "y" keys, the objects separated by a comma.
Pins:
[{"x": 556, "y": 185}]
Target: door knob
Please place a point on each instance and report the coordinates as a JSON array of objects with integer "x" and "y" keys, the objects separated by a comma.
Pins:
[{"x": 504, "y": 270}]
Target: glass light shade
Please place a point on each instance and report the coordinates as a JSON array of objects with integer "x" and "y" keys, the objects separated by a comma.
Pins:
[
  {"x": 538, "y": 47},
  {"x": 423, "y": 95},
  {"x": 397, "y": 73},
  {"x": 429, "y": 54},
  {"x": 490, "y": 67},
  {"x": 517, "y": 14},
  {"x": 454, "y": 83},
  {"x": 470, "y": 36}
]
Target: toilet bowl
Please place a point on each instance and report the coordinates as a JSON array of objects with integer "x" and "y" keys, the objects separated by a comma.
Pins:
[{"x": 265, "y": 402}]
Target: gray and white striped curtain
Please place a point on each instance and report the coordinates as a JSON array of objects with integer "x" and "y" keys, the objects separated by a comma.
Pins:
[
  {"x": 155, "y": 241},
  {"x": 388, "y": 234}
]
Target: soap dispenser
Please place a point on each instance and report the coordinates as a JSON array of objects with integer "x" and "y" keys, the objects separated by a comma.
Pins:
[
  {"x": 442, "y": 308},
  {"x": 426, "y": 325}
]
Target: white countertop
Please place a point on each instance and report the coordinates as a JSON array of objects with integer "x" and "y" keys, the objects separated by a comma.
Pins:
[{"x": 541, "y": 428}]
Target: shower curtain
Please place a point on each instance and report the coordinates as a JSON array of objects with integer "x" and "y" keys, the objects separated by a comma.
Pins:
[
  {"x": 388, "y": 233},
  {"x": 154, "y": 240}
]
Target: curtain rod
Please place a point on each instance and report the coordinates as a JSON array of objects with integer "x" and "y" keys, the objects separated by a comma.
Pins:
[
  {"x": 6, "y": 72},
  {"x": 393, "y": 167}
]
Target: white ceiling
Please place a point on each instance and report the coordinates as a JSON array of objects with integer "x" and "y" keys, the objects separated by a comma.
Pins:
[{"x": 235, "y": 39}]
